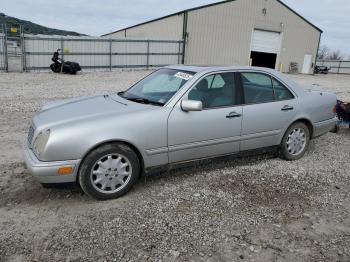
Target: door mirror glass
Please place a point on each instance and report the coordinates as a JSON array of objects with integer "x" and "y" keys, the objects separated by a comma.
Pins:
[{"x": 191, "y": 105}]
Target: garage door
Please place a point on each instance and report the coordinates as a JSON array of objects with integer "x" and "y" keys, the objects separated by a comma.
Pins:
[{"x": 266, "y": 41}]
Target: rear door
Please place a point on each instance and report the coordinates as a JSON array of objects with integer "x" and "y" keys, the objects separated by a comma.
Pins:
[{"x": 269, "y": 107}]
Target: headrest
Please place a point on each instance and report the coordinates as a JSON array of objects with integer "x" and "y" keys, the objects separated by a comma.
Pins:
[{"x": 202, "y": 85}]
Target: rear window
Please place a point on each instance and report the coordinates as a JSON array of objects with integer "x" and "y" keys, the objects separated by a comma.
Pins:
[{"x": 281, "y": 92}]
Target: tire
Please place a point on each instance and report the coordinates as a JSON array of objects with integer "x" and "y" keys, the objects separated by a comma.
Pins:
[
  {"x": 72, "y": 70},
  {"x": 295, "y": 142},
  {"x": 109, "y": 171},
  {"x": 335, "y": 130},
  {"x": 54, "y": 68}
]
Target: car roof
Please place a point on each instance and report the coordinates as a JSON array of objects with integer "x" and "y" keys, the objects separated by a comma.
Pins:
[{"x": 199, "y": 69}]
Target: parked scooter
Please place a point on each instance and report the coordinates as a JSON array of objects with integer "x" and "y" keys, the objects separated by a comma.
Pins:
[{"x": 61, "y": 66}]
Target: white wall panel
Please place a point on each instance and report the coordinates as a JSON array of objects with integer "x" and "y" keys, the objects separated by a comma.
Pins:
[
  {"x": 166, "y": 28},
  {"x": 163, "y": 60}
]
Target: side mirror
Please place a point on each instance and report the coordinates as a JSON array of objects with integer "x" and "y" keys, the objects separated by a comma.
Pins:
[{"x": 191, "y": 105}]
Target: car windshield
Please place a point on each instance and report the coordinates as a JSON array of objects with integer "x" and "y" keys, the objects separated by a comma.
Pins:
[{"x": 158, "y": 87}]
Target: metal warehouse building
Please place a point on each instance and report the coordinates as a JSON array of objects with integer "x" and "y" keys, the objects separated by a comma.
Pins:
[{"x": 256, "y": 32}]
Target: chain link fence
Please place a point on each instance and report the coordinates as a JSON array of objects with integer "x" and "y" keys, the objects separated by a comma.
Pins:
[
  {"x": 336, "y": 67},
  {"x": 2, "y": 49},
  {"x": 34, "y": 52},
  {"x": 102, "y": 53}
]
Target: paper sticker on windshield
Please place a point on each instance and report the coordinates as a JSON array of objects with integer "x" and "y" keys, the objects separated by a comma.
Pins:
[{"x": 184, "y": 76}]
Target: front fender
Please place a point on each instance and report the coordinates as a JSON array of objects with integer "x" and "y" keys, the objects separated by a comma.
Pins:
[{"x": 145, "y": 130}]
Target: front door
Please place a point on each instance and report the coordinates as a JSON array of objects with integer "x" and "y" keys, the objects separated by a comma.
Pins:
[{"x": 213, "y": 131}]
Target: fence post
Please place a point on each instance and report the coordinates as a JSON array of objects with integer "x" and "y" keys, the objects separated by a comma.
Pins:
[
  {"x": 24, "y": 58},
  {"x": 148, "y": 49},
  {"x": 110, "y": 54},
  {"x": 62, "y": 47},
  {"x": 179, "y": 53},
  {"x": 339, "y": 66},
  {"x": 3, "y": 47},
  {"x": 6, "y": 63}
]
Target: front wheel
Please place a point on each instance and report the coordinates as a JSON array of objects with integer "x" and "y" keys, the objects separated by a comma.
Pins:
[
  {"x": 109, "y": 171},
  {"x": 295, "y": 142}
]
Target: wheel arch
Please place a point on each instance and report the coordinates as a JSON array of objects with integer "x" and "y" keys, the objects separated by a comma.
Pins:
[
  {"x": 305, "y": 121},
  {"x": 132, "y": 146}
]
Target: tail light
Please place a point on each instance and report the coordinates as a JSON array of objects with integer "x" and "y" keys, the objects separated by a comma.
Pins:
[{"x": 335, "y": 109}]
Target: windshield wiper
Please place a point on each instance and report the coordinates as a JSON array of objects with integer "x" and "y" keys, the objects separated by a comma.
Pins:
[
  {"x": 143, "y": 101},
  {"x": 140, "y": 100}
]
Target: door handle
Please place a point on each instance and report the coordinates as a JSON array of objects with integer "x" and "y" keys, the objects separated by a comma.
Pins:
[
  {"x": 287, "y": 108},
  {"x": 233, "y": 115}
]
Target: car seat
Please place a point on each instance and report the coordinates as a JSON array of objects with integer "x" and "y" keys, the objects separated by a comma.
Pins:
[{"x": 225, "y": 98}]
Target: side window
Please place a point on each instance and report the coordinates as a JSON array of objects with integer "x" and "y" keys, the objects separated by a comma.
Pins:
[
  {"x": 257, "y": 88},
  {"x": 216, "y": 90},
  {"x": 281, "y": 92}
]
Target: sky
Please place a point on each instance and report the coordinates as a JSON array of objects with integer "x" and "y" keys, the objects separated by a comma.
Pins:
[{"x": 97, "y": 17}]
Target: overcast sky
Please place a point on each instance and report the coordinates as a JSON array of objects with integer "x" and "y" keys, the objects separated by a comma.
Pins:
[{"x": 96, "y": 17}]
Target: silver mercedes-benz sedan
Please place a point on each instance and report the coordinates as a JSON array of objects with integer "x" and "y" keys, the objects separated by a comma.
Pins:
[{"x": 174, "y": 115}]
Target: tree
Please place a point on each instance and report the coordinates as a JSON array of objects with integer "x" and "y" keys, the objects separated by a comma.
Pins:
[
  {"x": 323, "y": 52},
  {"x": 335, "y": 55}
]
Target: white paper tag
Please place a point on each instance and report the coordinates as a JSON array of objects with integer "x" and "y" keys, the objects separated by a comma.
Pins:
[{"x": 183, "y": 75}]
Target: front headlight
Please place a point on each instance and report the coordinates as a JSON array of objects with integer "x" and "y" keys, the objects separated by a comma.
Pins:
[{"x": 41, "y": 141}]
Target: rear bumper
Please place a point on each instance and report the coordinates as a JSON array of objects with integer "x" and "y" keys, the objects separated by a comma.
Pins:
[
  {"x": 47, "y": 172},
  {"x": 324, "y": 127}
]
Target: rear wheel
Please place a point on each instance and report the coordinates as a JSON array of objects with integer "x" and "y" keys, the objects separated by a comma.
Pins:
[
  {"x": 336, "y": 129},
  {"x": 109, "y": 171},
  {"x": 295, "y": 142}
]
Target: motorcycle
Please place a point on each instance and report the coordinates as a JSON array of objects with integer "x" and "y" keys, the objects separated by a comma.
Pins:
[{"x": 61, "y": 66}]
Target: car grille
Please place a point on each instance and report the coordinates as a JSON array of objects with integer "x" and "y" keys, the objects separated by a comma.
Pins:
[{"x": 30, "y": 135}]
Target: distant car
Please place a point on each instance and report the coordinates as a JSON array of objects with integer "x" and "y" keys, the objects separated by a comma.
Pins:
[
  {"x": 321, "y": 70},
  {"x": 176, "y": 114}
]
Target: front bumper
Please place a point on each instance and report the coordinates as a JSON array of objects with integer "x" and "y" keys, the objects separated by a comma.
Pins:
[{"x": 47, "y": 172}]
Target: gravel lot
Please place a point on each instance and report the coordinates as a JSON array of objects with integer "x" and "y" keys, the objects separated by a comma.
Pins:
[{"x": 257, "y": 208}]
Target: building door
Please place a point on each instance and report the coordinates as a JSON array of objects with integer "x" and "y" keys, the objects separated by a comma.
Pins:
[
  {"x": 265, "y": 48},
  {"x": 263, "y": 59},
  {"x": 307, "y": 64}
]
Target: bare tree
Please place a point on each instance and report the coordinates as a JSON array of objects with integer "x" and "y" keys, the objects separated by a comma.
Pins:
[
  {"x": 335, "y": 55},
  {"x": 323, "y": 52}
]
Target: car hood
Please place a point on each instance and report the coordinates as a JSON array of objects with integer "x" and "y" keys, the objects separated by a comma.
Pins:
[{"x": 84, "y": 108}]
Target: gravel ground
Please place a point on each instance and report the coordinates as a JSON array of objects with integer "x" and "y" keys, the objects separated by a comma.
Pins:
[{"x": 256, "y": 208}]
